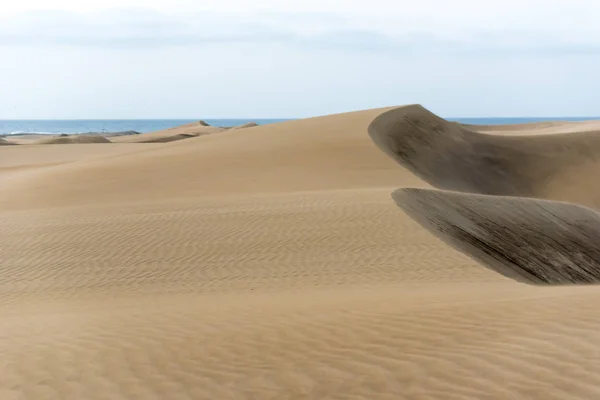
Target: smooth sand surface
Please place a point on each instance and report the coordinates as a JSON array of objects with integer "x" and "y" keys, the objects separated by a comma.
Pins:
[
  {"x": 268, "y": 263},
  {"x": 246, "y": 125},
  {"x": 24, "y": 139},
  {"x": 530, "y": 240}
]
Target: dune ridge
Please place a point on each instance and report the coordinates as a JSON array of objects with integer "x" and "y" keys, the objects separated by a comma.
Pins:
[
  {"x": 500, "y": 218},
  {"x": 73, "y": 139}
]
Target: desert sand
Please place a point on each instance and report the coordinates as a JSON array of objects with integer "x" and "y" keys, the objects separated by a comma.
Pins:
[
  {"x": 170, "y": 135},
  {"x": 274, "y": 263}
]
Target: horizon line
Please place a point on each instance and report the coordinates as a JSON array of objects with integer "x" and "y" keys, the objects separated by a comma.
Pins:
[{"x": 275, "y": 118}]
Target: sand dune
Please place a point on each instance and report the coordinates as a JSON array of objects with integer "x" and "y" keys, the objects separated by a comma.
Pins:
[
  {"x": 451, "y": 157},
  {"x": 73, "y": 139},
  {"x": 5, "y": 143},
  {"x": 268, "y": 263},
  {"x": 172, "y": 134}
]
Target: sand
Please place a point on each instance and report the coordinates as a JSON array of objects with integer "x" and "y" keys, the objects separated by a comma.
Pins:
[
  {"x": 73, "y": 139},
  {"x": 265, "y": 263},
  {"x": 170, "y": 135},
  {"x": 449, "y": 156}
]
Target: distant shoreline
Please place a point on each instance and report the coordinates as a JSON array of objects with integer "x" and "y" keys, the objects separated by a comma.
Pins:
[{"x": 114, "y": 128}]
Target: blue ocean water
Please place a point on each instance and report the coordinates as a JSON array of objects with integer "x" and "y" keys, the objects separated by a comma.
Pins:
[
  {"x": 517, "y": 120},
  {"x": 13, "y": 126},
  {"x": 149, "y": 125}
]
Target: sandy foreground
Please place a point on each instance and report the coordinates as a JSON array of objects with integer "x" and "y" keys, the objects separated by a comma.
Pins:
[{"x": 272, "y": 263}]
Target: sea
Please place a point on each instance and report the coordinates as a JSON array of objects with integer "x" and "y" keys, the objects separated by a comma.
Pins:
[{"x": 8, "y": 127}]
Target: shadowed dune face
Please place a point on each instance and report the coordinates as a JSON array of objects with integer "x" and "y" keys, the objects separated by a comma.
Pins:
[
  {"x": 530, "y": 240},
  {"x": 167, "y": 139},
  {"x": 5, "y": 143},
  {"x": 451, "y": 157},
  {"x": 267, "y": 263}
]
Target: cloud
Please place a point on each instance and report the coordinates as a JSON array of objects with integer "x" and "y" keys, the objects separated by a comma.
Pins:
[{"x": 429, "y": 26}]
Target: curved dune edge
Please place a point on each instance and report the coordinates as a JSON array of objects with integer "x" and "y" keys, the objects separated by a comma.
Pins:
[
  {"x": 72, "y": 139},
  {"x": 244, "y": 126},
  {"x": 529, "y": 240},
  {"x": 5, "y": 143},
  {"x": 449, "y": 156}
]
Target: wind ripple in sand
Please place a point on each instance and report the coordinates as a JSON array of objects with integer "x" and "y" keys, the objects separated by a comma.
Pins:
[{"x": 527, "y": 239}]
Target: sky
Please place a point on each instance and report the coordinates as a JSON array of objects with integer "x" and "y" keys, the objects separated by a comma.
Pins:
[{"x": 290, "y": 59}]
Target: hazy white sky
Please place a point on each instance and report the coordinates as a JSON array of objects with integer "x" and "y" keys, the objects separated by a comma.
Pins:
[{"x": 273, "y": 58}]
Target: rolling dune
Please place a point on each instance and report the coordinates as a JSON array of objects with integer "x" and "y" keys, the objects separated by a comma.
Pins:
[
  {"x": 267, "y": 263},
  {"x": 73, "y": 139}
]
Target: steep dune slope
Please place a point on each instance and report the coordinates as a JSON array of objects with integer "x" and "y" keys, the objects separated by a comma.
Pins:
[
  {"x": 530, "y": 240},
  {"x": 451, "y": 157},
  {"x": 73, "y": 139}
]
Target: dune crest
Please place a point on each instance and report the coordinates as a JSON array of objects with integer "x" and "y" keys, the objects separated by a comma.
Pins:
[
  {"x": 449, "y": 156},
  {"x": 501, "y": 198},
  {"x": 72, "y": 139}
]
